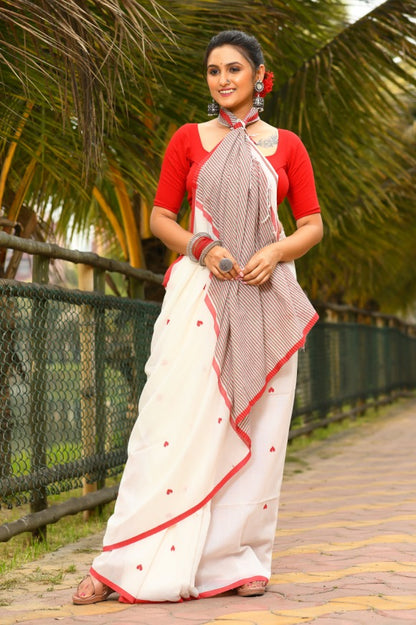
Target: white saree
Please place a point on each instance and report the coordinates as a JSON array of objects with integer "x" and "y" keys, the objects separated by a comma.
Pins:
[{"x": 198, "y": 500}]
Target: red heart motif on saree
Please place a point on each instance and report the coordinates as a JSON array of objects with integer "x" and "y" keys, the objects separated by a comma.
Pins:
[
  {"x": 199, "y": 323},
  {"x": 139, "y": 567},
  {"x": 272, "y": 449},
  {"x": 165, "y": 444},
  {"x": 271, "y": 389},
  {"x": 169, "y": 491}
]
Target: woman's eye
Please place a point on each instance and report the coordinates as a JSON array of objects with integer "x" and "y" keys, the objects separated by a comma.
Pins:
[
  {"x": 212, "y": 72},
  {"x": 234, "y": 69}
]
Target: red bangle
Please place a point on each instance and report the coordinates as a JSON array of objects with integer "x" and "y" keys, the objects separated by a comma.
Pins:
[{"x": 200, "y": 245}]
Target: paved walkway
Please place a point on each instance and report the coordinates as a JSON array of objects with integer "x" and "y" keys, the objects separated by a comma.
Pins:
[{"x": 345, "y": 551}]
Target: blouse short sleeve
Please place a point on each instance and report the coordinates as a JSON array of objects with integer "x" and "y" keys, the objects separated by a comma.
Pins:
[
  {"x": 301, "y": 193},
  {"x": 175, "y": 168}
]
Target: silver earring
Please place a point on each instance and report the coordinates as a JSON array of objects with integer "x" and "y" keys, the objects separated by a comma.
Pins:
[
  {"x": 259, "y": 86},
  {"x": 258, "y": 101},
  {"x": 213, "y": 108}
]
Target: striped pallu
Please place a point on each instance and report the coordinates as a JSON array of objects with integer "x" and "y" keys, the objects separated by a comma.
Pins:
[{"x": 258, "y": 327}]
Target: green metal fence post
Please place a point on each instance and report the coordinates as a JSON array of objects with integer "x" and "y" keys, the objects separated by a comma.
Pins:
[
  {"x": 136, "y": 288},
  {"x": 100, "y": 393},
  {"x": 7, "y": 324},
  {"x": 87, "y": 378},
  {"x": 38, "y": 424}
]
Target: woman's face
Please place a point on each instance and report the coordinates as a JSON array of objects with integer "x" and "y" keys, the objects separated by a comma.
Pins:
[{"x": 231, "y": 79}]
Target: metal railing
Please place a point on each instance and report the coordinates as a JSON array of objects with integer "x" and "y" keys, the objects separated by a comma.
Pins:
[{"x": 348, "y": 367}]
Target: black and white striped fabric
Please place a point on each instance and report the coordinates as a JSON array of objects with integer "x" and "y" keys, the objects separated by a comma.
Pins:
[{"x": 258, "y": 327}]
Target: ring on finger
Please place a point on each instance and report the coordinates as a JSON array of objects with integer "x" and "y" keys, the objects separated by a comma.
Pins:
[{"x": 225, "y": 265}]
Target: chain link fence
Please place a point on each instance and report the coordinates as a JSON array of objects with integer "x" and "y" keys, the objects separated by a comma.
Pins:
[
  {"x": 72, "y": 369},
  {"x": 349, "y": 366}
]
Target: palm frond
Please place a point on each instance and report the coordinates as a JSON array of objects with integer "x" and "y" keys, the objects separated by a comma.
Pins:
[
  {"x": 347, "y": 89},
  {"x": 76, "y": 55}
]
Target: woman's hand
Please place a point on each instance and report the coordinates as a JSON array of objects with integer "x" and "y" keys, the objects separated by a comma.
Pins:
[
  {"x": 261, "y": 265},
  {"x": 308, "y": 233},
  {"x": 212, "y": 262}
]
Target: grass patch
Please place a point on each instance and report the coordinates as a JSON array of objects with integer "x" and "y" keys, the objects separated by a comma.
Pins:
[
  {"x": 20, "y": 549},
  {"x": 46, "y": 578},
  {"x": 8, "y": 583}
]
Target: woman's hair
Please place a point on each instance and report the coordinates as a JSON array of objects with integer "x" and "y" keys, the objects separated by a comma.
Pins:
[{"x": 247, "y": 45}]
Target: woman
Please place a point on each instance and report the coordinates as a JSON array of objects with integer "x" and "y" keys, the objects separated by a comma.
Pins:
[{"x": 197, "y": 507}]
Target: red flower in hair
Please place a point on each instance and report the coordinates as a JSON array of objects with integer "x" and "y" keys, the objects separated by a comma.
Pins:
[{"x": 268, "y": 83}]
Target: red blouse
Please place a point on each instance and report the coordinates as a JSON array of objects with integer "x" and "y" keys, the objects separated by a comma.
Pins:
[{"x": 290, "y": 161}]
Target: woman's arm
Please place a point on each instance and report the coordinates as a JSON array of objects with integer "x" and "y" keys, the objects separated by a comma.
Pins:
[
  {"x": 309, "y": 231},
  {"x": 164, "y": 226}
]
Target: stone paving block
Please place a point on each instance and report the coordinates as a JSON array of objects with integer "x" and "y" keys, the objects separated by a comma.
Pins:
[
  {"x": 405, "y": 616},
  {"x": 362, "y": 618}
]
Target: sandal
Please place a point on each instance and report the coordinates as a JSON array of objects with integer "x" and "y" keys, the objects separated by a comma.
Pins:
[
  {"x": 94, "y": 597},
  {"x": 252, "y": 589}
]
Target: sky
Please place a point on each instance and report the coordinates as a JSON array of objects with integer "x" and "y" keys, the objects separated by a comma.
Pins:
[{"x": 358, "y": 8}]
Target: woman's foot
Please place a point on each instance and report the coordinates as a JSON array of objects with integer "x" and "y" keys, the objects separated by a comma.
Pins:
[
  {"x": 252, "y": 589},
  {"x": 91, "y": 590}
]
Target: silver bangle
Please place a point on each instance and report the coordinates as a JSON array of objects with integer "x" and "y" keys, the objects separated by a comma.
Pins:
[
  {"x": 194, "y": 238},
  {"x": 206, "y": 250}
]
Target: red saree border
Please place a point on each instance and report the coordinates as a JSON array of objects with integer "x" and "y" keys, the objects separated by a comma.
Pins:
[
  {"x": 186, "y": 513},
  {"x": 269, "y": 376},
  {"x": 167, "y": 275},
  {"x": 127, "y": 598},
  {"x": 246, "y": 580}
]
